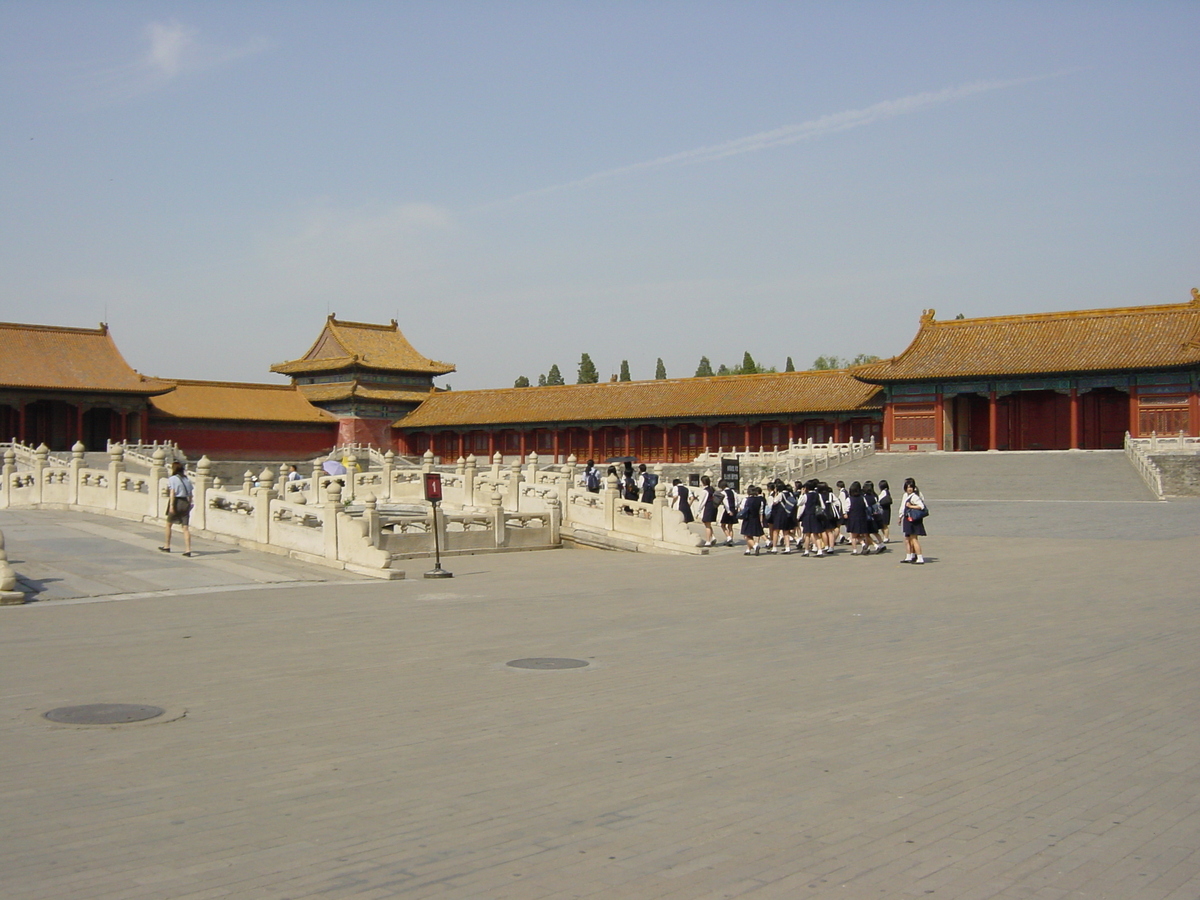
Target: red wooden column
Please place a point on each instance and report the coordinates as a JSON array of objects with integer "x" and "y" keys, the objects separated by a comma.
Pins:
[
  {"x": 625, "y": 441},
  {"x": 21, "y": 422},
  {"x": 992, "y": 409},
  {"x": 557, "y": 433},
  {"x": 939, "y": 421},
  {"x": 522, "y": 446},
  {"x": 79, "y": 422},
  {"x": 491, "y": 445},
  {"x": 791, "y": 433},
  {"x": 1133, "y": 412},
  {"x": 462, "y": 445},
  {"x": 707, "y": 438},
  {"x": 1194, "y": 414},
  {"x": 746, "y": 435},
  {"x": 591, "y": 443},
  {"x": 1074, "y": 418},
  {"x": 145, "y": 415}
]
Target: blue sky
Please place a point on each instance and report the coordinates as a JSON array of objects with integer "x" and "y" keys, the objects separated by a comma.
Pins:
[{"x": 518, "y": 183}]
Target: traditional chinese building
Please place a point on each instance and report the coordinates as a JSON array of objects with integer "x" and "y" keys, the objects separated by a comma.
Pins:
[
  {"x": 1050, "y": 381},
  {"x": 665, "y": 420},
  {"x": 236, "y": 420},
  {"x": 366, "y": 376},
  {"x": 62, "y": 385}
]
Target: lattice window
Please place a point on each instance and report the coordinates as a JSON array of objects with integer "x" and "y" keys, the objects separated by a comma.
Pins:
[{"x": 915, "y": 423}]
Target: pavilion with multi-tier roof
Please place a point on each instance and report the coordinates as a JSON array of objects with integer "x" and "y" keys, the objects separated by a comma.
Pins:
[{"x": 364, "y": 375}]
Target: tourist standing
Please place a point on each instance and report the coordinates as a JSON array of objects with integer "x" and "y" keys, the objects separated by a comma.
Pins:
[
  {"x": 179, "y": 507},
  {"x": 590, "y": 479},
  {"x": 912, "y": 521}
]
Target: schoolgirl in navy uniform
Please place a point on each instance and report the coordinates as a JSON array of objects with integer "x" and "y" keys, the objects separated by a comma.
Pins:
[
  {"x": 729, "y": 510},
  {"x": 751, "y": 515},
  {"x": 708, "y": 509},
  {"x": 811, "y": 524},
  {"x": 858, "y": 521},
  {"x": 682, "y": 500},
  {"x": 871, "y": 499},
  {"x": 914, "y": 530},
  {"x": 885, "y": 502}
]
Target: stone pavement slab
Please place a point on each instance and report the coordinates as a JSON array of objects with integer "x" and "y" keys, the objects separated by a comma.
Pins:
[
  {"x": 1017, "y": 718},
  {"x": 67, "y": 556}
]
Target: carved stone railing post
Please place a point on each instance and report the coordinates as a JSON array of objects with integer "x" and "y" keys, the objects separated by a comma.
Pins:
[
  {"x": 40, "y": 461},
  {"x": 427, "y": 462},
  {"x": 77, "y": 452},
  {"x": 333, "y": 505},
  {"x": 371, "y": 517},
  {"x": 659, "y": 513},
  {"x": 459, "y": 466},
  {"x": 497, "y": 461},
  {"x": 317, "y": 496},
  {"x": 498, "y": 517},
  {"x": 9, "y": 595},
  {"x": 158, "y": 471},
  {"x": 568, "y": 476},
  {"x": 351, "y": 465},
  {"x": 389, "y": 464},
  {"x": 514, "y": 485},
  {"x": 263, "y": 495},
  {"x": 611, "y": 496},
  {"x": 554, "y": 505},
  {"x": 248, "y": 482},
  {"x": 531, "y": 464},
  {"x": 470, "y": 473},
  {"x": 200, "y": 492},
  {"x": 116, "y": 468}
]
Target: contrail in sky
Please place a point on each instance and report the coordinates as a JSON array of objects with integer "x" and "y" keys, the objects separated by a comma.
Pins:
[{"x": 790, "y": 134}]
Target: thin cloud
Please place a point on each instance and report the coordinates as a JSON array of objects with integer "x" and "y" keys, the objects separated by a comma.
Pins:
[
  {"x": 790, "y": 134},
  {"x": 172, "y": 51}
]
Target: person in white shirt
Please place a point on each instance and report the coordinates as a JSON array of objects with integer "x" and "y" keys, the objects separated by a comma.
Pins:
[
  {"x": 913, "y": 523},
  {"x": 179, "y": 507}
]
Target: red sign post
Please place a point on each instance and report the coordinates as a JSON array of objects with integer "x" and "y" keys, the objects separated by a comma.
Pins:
[{"x": 433, "y": 493}]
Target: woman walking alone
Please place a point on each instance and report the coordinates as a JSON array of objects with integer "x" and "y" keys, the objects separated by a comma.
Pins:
[{"x": 912, "y": 521}]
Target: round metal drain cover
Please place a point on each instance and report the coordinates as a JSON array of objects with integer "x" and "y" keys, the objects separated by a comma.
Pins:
[
  {"x": 103, "y": 714},
  {"x": 547, "y": 663}
]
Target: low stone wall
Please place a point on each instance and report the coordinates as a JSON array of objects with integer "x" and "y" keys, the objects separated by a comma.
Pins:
[{"x": 1179, "y": 473}]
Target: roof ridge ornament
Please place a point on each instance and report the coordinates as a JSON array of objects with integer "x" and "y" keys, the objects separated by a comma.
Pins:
[
  {"x": 1195, "y": 296},
  {"x": 927, "y": 316}
]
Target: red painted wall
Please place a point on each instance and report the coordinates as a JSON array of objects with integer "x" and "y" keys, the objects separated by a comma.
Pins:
[{"x": 228, "y": 440}]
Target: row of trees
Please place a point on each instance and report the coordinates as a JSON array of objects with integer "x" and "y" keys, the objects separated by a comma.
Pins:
[{"x": 588, "y": 374}]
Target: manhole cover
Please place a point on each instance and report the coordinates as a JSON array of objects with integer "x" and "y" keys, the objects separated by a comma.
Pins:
[
  {"x": 547, "y": 663},
  {"x": 103, "y": 714}
]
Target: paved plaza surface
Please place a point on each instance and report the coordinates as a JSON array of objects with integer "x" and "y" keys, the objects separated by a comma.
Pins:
[{"x": 1017, "y": 718}]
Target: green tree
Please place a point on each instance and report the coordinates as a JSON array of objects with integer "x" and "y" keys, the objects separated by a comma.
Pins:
[
  {"x": 541, "y": 381},
  {"x": 704, "y": 369},
  {"x": 521, "y": 381},
  {"x": 660, "y": 371},
  {"x": 789, "y": 366},
  {"x": 862, "y": 359},
  {"x": 827, "y": 362},
  {"x": 554, "y": 376},
  {"x": 749, "y": 366},
  {"x": 624, "y": 376},
  {"x": 724, "y": 370},
  {"x": 587, "y": 371}
]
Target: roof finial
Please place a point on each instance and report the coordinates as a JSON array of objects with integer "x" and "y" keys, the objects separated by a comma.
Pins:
[
  {"x": 927, "y": 316},
  {"x": 1196, "y": 296}
]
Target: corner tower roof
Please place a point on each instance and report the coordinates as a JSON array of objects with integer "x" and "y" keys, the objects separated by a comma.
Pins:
[
  {"x": 1090, "y": 340},
  {"x": 346, "y": 345}
]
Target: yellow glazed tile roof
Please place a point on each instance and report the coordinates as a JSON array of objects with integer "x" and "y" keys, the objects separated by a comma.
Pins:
[
  {"x": 345, "y": 344},
  {"x": 1124, "y": 338},
  {"x": 75, "y": 359},
  {"x": 238, "y": 401},
  {"x": 780, "y": 394},
  {"x": 344, "y": 390}
]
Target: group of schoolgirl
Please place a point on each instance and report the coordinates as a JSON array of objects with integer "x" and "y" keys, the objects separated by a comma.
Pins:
[{"x": 809, "y": 517}]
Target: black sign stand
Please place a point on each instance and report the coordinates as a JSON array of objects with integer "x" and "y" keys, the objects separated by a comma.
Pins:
[{"x": 433, "y": 493}]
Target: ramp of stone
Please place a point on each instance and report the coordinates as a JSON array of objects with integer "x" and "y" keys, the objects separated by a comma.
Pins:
[{"x": 1032, "y": 475}]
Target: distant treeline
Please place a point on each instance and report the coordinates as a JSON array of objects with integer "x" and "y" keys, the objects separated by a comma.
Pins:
[{"x": 588, "y": 374}]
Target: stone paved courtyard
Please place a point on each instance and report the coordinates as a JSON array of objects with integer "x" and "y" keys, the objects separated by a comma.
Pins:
[{"x": 1018, "y": 718}]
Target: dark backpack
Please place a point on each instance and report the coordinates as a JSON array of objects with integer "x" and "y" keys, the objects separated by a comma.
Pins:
[
  {"x": 649, "y": 482},
  {"x": 591, "y": 478}
]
